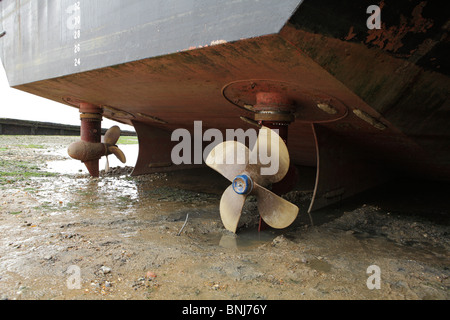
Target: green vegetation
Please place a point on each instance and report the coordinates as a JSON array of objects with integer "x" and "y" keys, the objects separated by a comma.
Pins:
[
  {"x": 128, "y": 140},
  {"x": 11, "y": 171},
  {"x": 23, "y": 146},
  {"x": 47, "y": 206},
  {"x": 30, "y": 146}
]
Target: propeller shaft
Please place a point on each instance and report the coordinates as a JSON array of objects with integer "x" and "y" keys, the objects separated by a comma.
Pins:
[
  {"x": 90, "y": 131},
  {"x": 243, "y": 184}
]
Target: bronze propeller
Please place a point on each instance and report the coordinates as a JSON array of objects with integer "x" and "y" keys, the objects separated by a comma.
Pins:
[
  {"x": 245, "y": 169},
  {"x": 87, "y": 151}
]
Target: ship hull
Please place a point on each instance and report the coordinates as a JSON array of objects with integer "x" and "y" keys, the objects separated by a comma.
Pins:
[{"x": 163, "y": 65}]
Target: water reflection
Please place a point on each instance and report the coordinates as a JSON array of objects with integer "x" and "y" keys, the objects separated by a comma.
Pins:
[
  {"x": 80, "y": 195},
  {"x": 247, "y": 239},
  {"x": 71, "y": 166},
  {"x": 160, "y": 199}
]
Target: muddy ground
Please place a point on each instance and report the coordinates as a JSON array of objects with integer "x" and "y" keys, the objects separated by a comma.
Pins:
[{"x": 65, "y": 235}]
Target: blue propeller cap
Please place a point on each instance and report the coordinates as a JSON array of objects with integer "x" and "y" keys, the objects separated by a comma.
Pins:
[{"x": 242, "y": 184}]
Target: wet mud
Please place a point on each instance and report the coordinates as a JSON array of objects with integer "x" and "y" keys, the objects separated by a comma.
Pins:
[{"x": 68, "y": 236}]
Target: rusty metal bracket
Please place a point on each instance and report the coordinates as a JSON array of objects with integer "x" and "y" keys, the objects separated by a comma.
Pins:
[
  {"x": 343, "y": 169},
  {"x": 155, "y": 148}
]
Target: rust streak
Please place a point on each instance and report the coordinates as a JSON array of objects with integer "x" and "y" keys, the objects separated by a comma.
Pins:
[
  {"x": 390, "y": 39},
  {"x": 351, "y": 34}
]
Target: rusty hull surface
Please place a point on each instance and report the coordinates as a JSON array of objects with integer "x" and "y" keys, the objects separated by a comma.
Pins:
[{"x": 393, "y": 84}]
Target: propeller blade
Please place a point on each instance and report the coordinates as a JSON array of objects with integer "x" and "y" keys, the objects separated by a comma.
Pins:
[
  {"x": 112, "y": 135},
  {"x": 118, "y": 153},
  {"x": 269, "y": 158},
  {"x": 274, "y": 210},
  {"x": 107, "y": 165},
  {"x": 231, "y": 205},
  {"x": 229, "y": 158}
]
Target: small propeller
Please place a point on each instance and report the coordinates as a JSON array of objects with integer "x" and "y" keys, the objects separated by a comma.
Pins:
[
  {"x": 250, "y": 172},
  {"x": 110, "y": 139},
  {"x": 87, "y": 151}
]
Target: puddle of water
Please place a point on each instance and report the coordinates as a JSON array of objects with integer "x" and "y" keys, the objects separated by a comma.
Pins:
[
  {"x": 71, "y": 166},
  {"x": 319, "y": 265},
  {"x": 67, "y": 194},
  {"x": 165, "y": 197},
  {"x": 246, "y": 239}
]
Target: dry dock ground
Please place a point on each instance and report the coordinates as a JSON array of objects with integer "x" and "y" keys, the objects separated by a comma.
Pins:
[{"x": 65, "y": 235}]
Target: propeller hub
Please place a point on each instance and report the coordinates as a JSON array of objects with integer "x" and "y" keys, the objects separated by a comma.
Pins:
[{"x": 242, "y": 184}]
